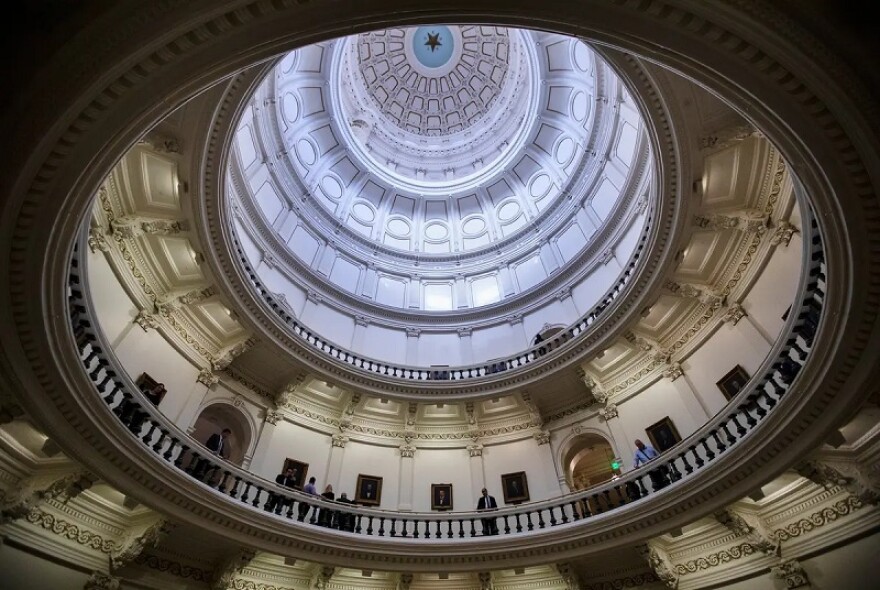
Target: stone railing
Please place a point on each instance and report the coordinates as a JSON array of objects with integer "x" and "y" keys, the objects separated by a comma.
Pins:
[
  {"x": 170, "y": 445},
  {"x": 409, "y": 373}
]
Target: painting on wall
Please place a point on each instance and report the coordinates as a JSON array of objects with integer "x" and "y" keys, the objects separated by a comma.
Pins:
[
  {"x": 441, "y": 496},
  {"x": 733, "y": 382},
  {"x": 300, "y": 470},
  {"x": 663, "y": 434},
  {"x": 153, "y": 390},
  {"x": 515, "y": 487},
  {"x": 369, "y": 490}
]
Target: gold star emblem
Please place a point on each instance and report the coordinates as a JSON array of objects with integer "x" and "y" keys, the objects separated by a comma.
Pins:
[{"x": 433, "y": 41}]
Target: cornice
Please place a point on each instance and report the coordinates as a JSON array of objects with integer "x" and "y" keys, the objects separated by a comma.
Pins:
[{"x": 57, "y": 171}]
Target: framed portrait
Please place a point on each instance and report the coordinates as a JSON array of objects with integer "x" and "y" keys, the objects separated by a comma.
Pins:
[
  {"x": 300, "y": 470},
  {"x": 152, "y": 389},
  {"x": 733, "y": 382},
  {"x": 441, "y": 496},
  {"x": 369, "y": 490},
  {"x": 515, "y": 487},
  {"x": 663, "y": 434}
]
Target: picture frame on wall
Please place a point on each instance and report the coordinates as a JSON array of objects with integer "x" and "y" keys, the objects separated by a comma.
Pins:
[
  {"x": 515, "y": 487},
  {"x": 441, "y": 496},
  {"x": 663, "y": 434},
  {"x": 368, "y": 490},
  {"x": 300, "y": 471},
  {"x": 152, "y": 389},
  {"x": 733, "y": 382}
]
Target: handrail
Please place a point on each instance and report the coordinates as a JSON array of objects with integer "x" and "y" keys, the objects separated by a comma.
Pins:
[
  {"x": 170, "y": 445},
  {"x": 466, "y": 372}
]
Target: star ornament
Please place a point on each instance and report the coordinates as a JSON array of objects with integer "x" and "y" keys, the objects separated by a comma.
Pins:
[{"x": 433, "y": 41}]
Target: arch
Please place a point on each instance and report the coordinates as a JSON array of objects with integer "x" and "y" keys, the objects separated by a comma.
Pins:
[
  {"x": 219, "y": 415},
  {"x": 581, "y": 448}
]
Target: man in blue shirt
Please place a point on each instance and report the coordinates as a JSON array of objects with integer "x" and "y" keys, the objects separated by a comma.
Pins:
[{"x": 644, "y": 453}]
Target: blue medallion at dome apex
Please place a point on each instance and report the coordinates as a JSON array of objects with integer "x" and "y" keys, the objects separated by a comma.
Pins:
[{"x": 433, "y": 46}]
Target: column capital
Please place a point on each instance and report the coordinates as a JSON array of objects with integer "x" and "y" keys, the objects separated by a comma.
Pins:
[
  {"x": 339, "y": 440},
  {"x": 207, "y": 378},
  {"x": 608, "y": 412},
  {"x": 407, "y": 451},
  {"x": 475, "y": 450},
  {"x": 793, "y": 573},
  {"x": 733, "y": 314}
]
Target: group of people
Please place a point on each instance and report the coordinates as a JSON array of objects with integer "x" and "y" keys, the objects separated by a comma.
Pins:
[{"x": 321, "y": 516}]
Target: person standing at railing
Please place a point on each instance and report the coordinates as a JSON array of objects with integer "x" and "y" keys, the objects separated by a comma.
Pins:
[
  {"x": 217, "y": 444},
  {"x": 645, "y": 454},
  {"x": 325, "y": 516},
  {"x": 288, "y": 480},
  {"x": 487, "y": 502},
  {"x": 345, "y": 520},
  {"x": 311, "y": 490}
]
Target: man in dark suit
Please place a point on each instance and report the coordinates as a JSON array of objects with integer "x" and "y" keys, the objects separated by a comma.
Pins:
[
  {"x": 345, "y": 520},
  {"x": 487, "y": 502},
  {"x": 288, "y": 480},
  {"x": 218, "y": 445},
  {"x": 441, "y": 502}
]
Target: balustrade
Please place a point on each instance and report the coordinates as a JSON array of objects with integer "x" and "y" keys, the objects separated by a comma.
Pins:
[{"x": 169, "y": 445}]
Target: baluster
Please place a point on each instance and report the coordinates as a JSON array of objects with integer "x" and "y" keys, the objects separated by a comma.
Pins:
[
  {"x": 597, "y": 503},
  {"x": 233, "y": 493},
  {"x": 642, "y": 489},
  {"x": 437, "y": 534},
  {"x": 415, "y": 528},
  {"x": 149, "y": 435},
  {"x": 506, "y": 525},
  {"x": 168, "y": 453},
  {"x": 381, "y": 526},
  {"x": 687, "y": 466},
  {"x": 740, "y": 429},
  {"x": 697, "y": 459},
  {"x": 675, "y": 473},
  {"x": 718, "y": 444},
  {"x": 607, "y": 495},
  {"x": 403, "y": 532},
  {"x": 709, "y": 454},
  {"x": 449, "y": 525},
  {"x": 564, "y": 515},
  {"x": 256, "y": 501},
  {"x": 529, "y": 525},
  {"x": 289, "y": 504},
  {"x": 621, "y": 495},
  {"x": 247, "y": 489},
  {"x": 541, "y": 518},
  {"x": 158, "y": 446},
  {"x": 393, "y": 522},
  {"x": 111, "y": 397},
  {"x": 461, "y": 528},
  {"x": 369, "y": 524},
  {"x": 357, "y": 528},
  {"x": 222, "y": 486},
  {"x": 518, "y": 523},
  {"x": 730, "y": 438}
]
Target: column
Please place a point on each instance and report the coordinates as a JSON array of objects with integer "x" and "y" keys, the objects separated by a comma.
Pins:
[
  {"x": 412, "y": 346},
  {"x": 188, "y": 413},
  {"x": 361, "y": 325},
  {"x": 266, "y": 433},
  {"x": 689, "y": 397},
  {"x": 465, "y": 345},
  {"x": 619, "y": 440},
  {"x": 478, "y": 474},
  {"x": 551, "y": 469},
  {"x": 407, "y": 463},
  {"x": 334, "y": 463}
]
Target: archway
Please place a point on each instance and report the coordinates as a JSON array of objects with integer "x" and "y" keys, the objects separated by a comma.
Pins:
[
  {"x": 218, "y": 416},
  {"x": 588, "y": 461}
]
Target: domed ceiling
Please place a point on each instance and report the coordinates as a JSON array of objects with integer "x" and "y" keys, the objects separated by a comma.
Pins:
[{"x": 437, "y": 170}]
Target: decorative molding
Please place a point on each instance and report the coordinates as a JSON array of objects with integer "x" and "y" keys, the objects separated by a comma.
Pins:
[
  {"x": 715, "y": 559},
  {"x": 207, "y": 378},
  {"x": 101, "y": 581},
  {"x": 783, "y": 233},
  {"x": 791, "y": 571},
  {"x": 146, "y": 320},
  {"x": 407, "y": 451},
  {"x": 272, "y": 417},
  {"x": 673, "y": 371},
  {"x": 172, "y": 567},
  {"x": 70, "y": 531},
  {"x": 339, "y": 440},
  {"x": 733, "y": 314},
  {"x": 863, "y": 482},
  {"x": 752, "y": 528},
  {"x": 475, "y": 450},
  {"x": 232, "y": 566},
  {"x": 98, "y": 240},
  {"x": 542, "y": 437},
  {"x": 818, "y": 519},
  {"x": 608, "y": 412},
  {"x": 135, "y": 543},
  {"x": 28, "y": 494},
  {"x": 658, "y": 561}
]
